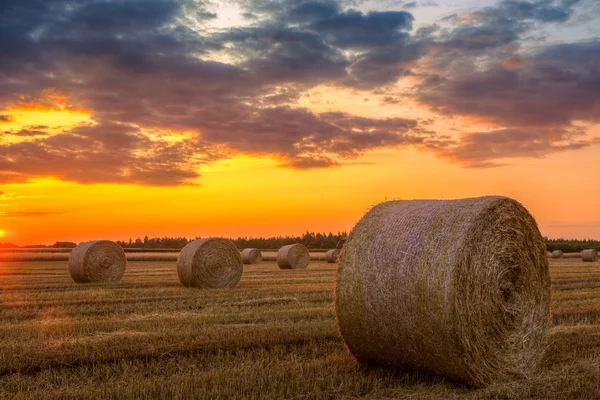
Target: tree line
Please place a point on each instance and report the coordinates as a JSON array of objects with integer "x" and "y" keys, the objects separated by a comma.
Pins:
[
  {"x": 570, "y": 245},
  {"x": 312, "y": 240}
]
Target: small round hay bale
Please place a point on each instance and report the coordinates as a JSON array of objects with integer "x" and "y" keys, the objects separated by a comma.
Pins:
[
  {"x": 456, "y": 288},
  {"x": 589, "y": 255},
  {"x": 97, "y": 261},
  {"x": 293, "y": 256},
  {"x": 251, "y": 256},
  {"x": 557, "y": 254},
  {"x": 213, "y": 263},
  {"x": 331, "y": 256}
]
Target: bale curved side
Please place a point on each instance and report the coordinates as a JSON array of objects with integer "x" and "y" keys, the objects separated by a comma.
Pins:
[
  {"x": 97, "y": 261},
  {"x": 589, "y": 255},
  {"x": 331, "y": 256},
  {"x": 212, "y": 263},
  {"x": 293, "y": 256},
  {"x": 251, "y": 256},
  {"x": 557, "y": 254},
  {"x": 456, "y": 288}
]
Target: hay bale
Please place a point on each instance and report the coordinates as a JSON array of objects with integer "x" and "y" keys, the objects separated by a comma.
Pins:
[
  {"x": 293, "y": 256},
  {"x": 97, "y": 261},
  {"x": 213, "y": 263},
  {"x": 557, "y": 254},
  {"x": 457, "y": 288},
  {"x": 589, "y": 255},
  {"x": 251, "y": 256},
  {"x": 331, "y": 256}
]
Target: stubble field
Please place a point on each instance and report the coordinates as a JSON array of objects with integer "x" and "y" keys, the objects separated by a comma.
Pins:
[{"x": 273, "y": 336}]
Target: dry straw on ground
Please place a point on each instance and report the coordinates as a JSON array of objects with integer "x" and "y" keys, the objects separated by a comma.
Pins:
[
  {"x": 589, "y": 255},
  {"x": 213, "y": 263},
  {"x": 251, "y": 256},
  {"x": 97, "y": 261},
  {"x": 332, "y": 255},
  {"x": 557, "y": 254},
  {"x": 456, "y": 288},
  {"x": 293, "y": 256}
]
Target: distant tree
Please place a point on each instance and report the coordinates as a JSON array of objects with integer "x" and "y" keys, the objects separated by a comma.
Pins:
[{"x": 68, "y": 245}]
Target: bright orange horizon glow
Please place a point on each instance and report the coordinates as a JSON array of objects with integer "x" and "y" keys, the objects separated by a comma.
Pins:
[{"x": 252, "y": 196}]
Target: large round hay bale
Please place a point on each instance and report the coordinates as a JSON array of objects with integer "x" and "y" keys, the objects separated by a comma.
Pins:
[
  {"x": 293, "y": 256},
  {"x": 456, "y": 288},
  {"x": 589, "y": 255},
  {"x": 97, "y": 261},
  {"x": 213, "y": 263},
  {"x": 331, "y": 256},
  {"x": 251, "y": 256},
  {"x": 557, "y": 254}
]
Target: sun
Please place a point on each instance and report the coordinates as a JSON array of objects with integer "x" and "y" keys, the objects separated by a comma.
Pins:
[{"x": 2, "y": 233}]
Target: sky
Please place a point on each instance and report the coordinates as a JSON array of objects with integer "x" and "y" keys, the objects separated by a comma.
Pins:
[{"x": 126, "y": 118}]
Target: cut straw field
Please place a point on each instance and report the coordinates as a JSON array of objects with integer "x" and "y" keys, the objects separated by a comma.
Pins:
[{"x": 273, "y": 336}]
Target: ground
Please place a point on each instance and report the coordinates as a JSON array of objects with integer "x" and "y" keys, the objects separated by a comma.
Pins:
[{"x": 274, "y": 336}]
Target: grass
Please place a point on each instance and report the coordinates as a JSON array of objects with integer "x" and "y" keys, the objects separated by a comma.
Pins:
[{"x": 274, "y": 336}]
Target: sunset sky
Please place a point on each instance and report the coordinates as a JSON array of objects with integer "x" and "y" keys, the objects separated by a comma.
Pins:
[{"x": 125, "y": 118}]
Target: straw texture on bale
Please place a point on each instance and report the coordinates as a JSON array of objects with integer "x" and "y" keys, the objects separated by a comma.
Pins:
[
  {"x": 97, "y": 261},
  {"x": 213, "y": 263},
  {"x": 251, "y": 256},
  {"x": 456, "y": 288},
  {"x": 293, "y": 256},
  {"x": 557, "y": 254},
  {"x": 331, "y": 256},
  {"x": 589, "y": 255}
]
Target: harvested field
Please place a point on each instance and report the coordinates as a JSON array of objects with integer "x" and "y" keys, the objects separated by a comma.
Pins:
[{"x": 273, "y": 336}]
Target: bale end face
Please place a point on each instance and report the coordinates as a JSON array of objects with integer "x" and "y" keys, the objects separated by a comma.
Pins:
[
  {"x": 457, "y": 288},
  {"x": 557, "y": 254},
  {"x": 251, "y": 256},
  {"x": 213, "y": 263},
  {"x": 97, "y": 261},
  {"x": 331, "y": 256},
  {"x": 589, "y": 255},
  {"x": 293, "y": 256}
]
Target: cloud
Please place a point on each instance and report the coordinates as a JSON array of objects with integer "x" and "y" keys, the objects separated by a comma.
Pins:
[
  {"x": 484, "y": 149},
  {"x": 27, "y": 214},
  {"x": 146, "y": 70},
  {"x": 105, "y": 154},
  {"x": 553, "y": 87},
  {"x": 27, "y": 133},
  {"x": 5, "y": 118}
]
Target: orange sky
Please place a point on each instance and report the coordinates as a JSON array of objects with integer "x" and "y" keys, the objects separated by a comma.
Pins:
[
  {"x": 253, "y": 196},
  {"x": 258, "y": 118}
]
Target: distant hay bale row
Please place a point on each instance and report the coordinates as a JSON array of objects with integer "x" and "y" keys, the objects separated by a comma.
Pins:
[
  {"x": 557, "y": 254},
  {"x": 213, "y": 263},
  {"x": 332, "y": 255},
  {"x": 251, "y": 256},
  {"x": 456, "y": 288},
  {"x": 97, "y": 261},
  {"x": 293, "y": 256},
  {"x": 589, "y": 255}
]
